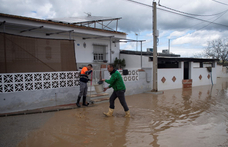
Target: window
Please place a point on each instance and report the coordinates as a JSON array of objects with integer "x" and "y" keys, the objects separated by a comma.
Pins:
[
  {"x": 98, "y": 57},
  {"x": 99, "y": 52}
]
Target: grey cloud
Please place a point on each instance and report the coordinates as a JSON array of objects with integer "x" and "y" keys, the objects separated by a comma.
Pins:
[{"x": 136, "y": 18}]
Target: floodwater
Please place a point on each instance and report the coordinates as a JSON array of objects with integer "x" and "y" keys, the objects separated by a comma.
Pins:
[{"x": 194, "y": 117}]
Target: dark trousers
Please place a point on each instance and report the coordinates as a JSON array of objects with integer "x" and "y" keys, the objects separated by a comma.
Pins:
[
  {"x": 120, "y": 95},
  {"x": 83, "y": 89}
]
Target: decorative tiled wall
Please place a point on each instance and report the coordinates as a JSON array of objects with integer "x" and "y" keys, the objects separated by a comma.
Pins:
[
  {"x": 17, "y": 82},
  {"x": 37, "y": 81},
  {"x": 133, "y": 75}
]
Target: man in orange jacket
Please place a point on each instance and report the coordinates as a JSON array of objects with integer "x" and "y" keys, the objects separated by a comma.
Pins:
[{"x": 83, "y": 84}]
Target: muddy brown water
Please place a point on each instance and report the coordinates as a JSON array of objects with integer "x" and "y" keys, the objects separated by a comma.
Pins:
[{"x": 178, "y": 118}]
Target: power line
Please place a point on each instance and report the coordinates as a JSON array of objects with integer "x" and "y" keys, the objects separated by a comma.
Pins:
[
  {"x": 191, "y": 13},
  {"x": 179, "y": 14},
  {"x": 220, "y": 2},
  {"x": 214, "y": 20}
]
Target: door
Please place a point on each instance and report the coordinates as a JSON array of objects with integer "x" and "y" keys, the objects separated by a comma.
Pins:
[{"x": 186, "y": 70}]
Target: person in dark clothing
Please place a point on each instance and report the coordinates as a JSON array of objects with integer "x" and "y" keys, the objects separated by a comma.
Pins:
[
  {"x": 83, "y": 84},
  {"x": 117, "y": 83}
]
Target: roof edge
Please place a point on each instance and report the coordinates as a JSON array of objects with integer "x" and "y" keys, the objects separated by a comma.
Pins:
[{"x": 57, "y": 23}]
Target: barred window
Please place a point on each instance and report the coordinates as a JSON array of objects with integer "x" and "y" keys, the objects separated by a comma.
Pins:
[{"x": 99, "y": 52}]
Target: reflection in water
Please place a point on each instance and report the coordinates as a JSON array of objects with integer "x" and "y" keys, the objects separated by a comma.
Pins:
[{"x": 183, "y": 117}]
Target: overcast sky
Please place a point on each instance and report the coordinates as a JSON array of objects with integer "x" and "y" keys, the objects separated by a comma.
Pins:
[{"x": 188, "y": 36}]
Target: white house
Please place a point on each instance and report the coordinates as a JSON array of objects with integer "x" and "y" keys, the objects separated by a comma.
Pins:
[
  {"x": 40, "y": 59},
  {"x": 57, "y": 41},
  {"x": 174, "y": 71}
]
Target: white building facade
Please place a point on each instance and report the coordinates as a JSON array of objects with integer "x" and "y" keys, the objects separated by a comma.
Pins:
[
  {"x": 40, "y": 62},
  {"x": 175, "y": 72}
]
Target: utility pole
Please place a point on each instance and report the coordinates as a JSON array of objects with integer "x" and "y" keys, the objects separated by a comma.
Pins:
[{"x": 155, "y": 35}]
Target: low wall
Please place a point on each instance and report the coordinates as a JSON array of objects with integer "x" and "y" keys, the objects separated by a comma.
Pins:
[
  {"x": 170, "y": 78},
  {"x": 200, "y": 76},
  {"x": 222, "y": 72},
  {"x": 26, "y": 91},
  {"x": 135, "y": 83}
]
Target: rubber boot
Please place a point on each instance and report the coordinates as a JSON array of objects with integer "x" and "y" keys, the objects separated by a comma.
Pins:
[
  {"x": 109, "y": 113},
  {"x": 84, "y": 101},
  {"x": 127, "y": 114},
  {"x": 78, "y": 100}
]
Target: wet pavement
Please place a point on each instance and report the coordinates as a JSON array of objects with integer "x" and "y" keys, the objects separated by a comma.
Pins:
[{"x": 195, "y": 116}]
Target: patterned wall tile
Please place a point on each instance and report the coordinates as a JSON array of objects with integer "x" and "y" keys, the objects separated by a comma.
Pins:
[
  {"x": 8, "y": 79},
  {"x": 28, "y": 86},
  {"x": 62, "y": 76},
  {"x": 46, "y": 76},
  {"x": 129, "y": 78},
  {"x": 55, "y": 84},
  {"x": 76, "y": 75},
  {"x": 137, "y": 78},
  {"x": 19, "y": 87},
  {"x": 8, "y": 88},
  {"x": 38, "y": 85},
  {"x": 62, "y": 83},
  {"x": 54, "y": 76},
  {"x": 38, "y": 77},
  {"x": 125, "y": 78},
  {"x": 28, "y": 77},
  {"x": 47, "y": 85},
  {"x": 18, "y": 78},
  {"x": 70, "y": 83},
  {"x": 137, "y": 72},
  {"x": 69, "y": 75},
  {"x": 129, "y": 72},
  {"x": 76, "y": 82},
  {"x": 133, "y": 78}
]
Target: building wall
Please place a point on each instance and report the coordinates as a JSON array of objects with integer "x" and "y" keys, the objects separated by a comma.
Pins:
[
  {"x": 134, "y": 61},
  {"x": 196, "y": 64},
  {"x": 85, "y": 55},
  {"x": 205, "y": 76},
  {"x": 201, "y": 76},
  {"x": 222, "y": 72},
  {"x": 173, "y": 78}
]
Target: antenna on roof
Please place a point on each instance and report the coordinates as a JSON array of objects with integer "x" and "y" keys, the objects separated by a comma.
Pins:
[{"x": 88, "y": 14}]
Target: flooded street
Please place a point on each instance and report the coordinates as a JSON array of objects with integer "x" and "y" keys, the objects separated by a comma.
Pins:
[{"x": 195, "y": 116}]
